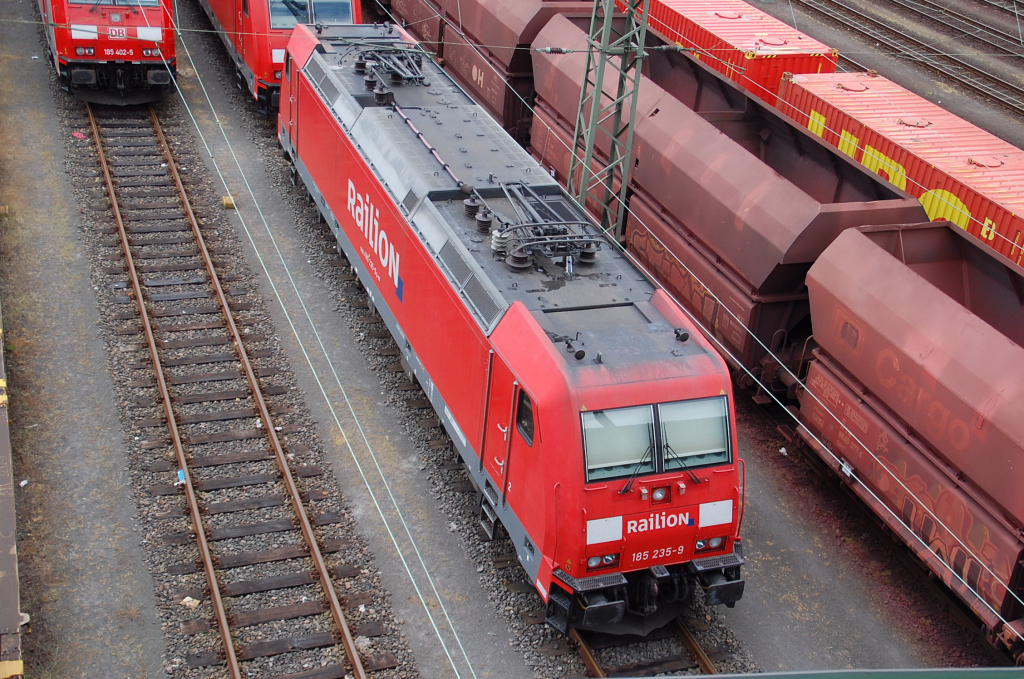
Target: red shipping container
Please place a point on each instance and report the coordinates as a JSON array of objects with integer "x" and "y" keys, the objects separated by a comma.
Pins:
[
  {"x": 959, "y": 172},
  {"x": 753, "y": 48}
]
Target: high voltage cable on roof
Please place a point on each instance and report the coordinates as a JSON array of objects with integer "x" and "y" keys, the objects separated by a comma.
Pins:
[{"x": 799, "y": 425}]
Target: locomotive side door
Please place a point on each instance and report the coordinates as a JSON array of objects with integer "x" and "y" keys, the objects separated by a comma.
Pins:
[
  {"x": 499, "y": 425},
  {"x": 241, "y": 26}
]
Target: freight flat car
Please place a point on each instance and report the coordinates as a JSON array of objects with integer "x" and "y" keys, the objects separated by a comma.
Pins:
[
  {"x": 255, "y": 33},
  {"x": 958, "y": 171},
  {"x": 749, "y": 46},
  {"x": 731, "y": 203},
  {"x": 111, "y": 51},
  {"x": 916, "y": 399},
  {"x": 594, "y": 419}
]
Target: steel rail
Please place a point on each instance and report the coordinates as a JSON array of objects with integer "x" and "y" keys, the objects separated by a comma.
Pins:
[
  {"x": 264, "y": 413},
  {"x": 996, "y": 4},
  {"x": 703, "y": 660},
  {"x": 921, "y": 7},
  {"x": 691, "y": 643},
  {"x": 928, "y": 57},
  {"x": 586, "y": 655},
  {"x": 165, "y": 396}
]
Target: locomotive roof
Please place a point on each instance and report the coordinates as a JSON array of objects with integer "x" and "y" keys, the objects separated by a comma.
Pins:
[{"x": 598, "y": 308}]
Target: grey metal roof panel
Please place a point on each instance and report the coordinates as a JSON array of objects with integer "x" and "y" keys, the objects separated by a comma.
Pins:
[{"x": 598, "y": 299}]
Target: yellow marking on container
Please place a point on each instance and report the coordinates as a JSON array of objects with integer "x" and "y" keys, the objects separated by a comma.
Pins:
[
  {"x": 816, "y": 123},
  {"x": 988, "y": 229},
  {"x": 941, "y": 204},
  {"x": 849, "y": 144},
  {"x": 875, "y": 160}
]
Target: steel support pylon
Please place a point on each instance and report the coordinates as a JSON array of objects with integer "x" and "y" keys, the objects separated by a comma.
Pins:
[{"x": 597, "y": 167}]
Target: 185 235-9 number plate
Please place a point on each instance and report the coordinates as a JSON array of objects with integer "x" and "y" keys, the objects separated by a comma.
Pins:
[{"x": 661, "y": 553}]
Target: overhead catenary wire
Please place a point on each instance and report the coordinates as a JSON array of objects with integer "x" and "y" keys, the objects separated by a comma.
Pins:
[{"x": 799, "y": 425}]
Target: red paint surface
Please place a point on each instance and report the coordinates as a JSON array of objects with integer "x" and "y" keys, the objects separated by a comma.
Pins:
[
  {"x": 545, "y": 481},
  {"x": 116, "y": 41}
]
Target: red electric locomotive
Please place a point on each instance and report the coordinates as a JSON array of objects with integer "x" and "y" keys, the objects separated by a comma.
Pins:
[
  {"x": 255, "y": 33},
  {"x": 595, "y": 420},
  {"x": 111, "y": 51}
]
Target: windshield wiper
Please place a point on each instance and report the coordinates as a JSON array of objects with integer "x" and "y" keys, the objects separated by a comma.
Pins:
[
  {"x": 686, "y": 467},
  {"x": 636, "y": 470}
]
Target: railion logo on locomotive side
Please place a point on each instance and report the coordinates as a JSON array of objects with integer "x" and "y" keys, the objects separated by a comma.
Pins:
[{"x": 382, "y": 249}]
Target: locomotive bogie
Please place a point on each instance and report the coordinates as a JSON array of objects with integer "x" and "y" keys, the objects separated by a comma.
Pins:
[{"x": 554, "y": 343}]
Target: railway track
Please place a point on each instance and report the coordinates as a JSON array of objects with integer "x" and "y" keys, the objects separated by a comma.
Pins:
[
  {"x": 1012, "y": 7},
  {"x": 947, "y": 16},
  {"x": 221, "y": 428},
  {"x": 695, "y": 656},
  {"x": 908, "y": 47}
]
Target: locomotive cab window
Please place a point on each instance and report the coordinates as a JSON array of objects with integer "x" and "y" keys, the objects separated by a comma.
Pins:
[
  {"x": 332, "y": 11},
  {"x": 694, "y": 433},
  {"x": 287, "y": 13},
  {"x": 652, "y": 439},
  {"x": 617, "y": 442},
  {"x": 524, "y": 417}
]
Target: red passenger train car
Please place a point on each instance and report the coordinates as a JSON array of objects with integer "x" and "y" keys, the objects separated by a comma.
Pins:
[
  {"x": 111, "y": 51},
  {"x": 255, "y": 33},
  {"x": 595, "y": 421}
]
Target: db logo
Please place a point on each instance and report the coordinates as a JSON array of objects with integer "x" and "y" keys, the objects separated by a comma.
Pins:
[
  {"x": 117, "y": 32},
  {"x": 478, "y": 76}
]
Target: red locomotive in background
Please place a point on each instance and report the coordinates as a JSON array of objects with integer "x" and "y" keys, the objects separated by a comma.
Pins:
[
  {"x": 255, "y": 33},
  {"x": 111, "y": 51},
  {"x": 595, "y": 421}
]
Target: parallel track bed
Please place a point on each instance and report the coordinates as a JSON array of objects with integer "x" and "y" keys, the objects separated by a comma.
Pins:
[
  {"x": 695, "y": 657},
  {"x": 198, "y": 375}
]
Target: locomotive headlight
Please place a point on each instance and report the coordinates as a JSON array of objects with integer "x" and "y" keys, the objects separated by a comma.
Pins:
[
  {"x": 701, "y": 544},
  {"x": 660, "y": 494},
  {"x": 89, "y": 51},
  {"x": 156, "y": 51},
  {"x": 79, "y": 51},
  {"x": 147, "y": 53},
  {"x": 277, "y": 75},
  {"x": 715, "y": 543},
  {"x": 602, "y": 561}
]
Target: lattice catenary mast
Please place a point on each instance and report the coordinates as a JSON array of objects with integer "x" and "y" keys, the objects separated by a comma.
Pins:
[{"x": 620, "y": 52}]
